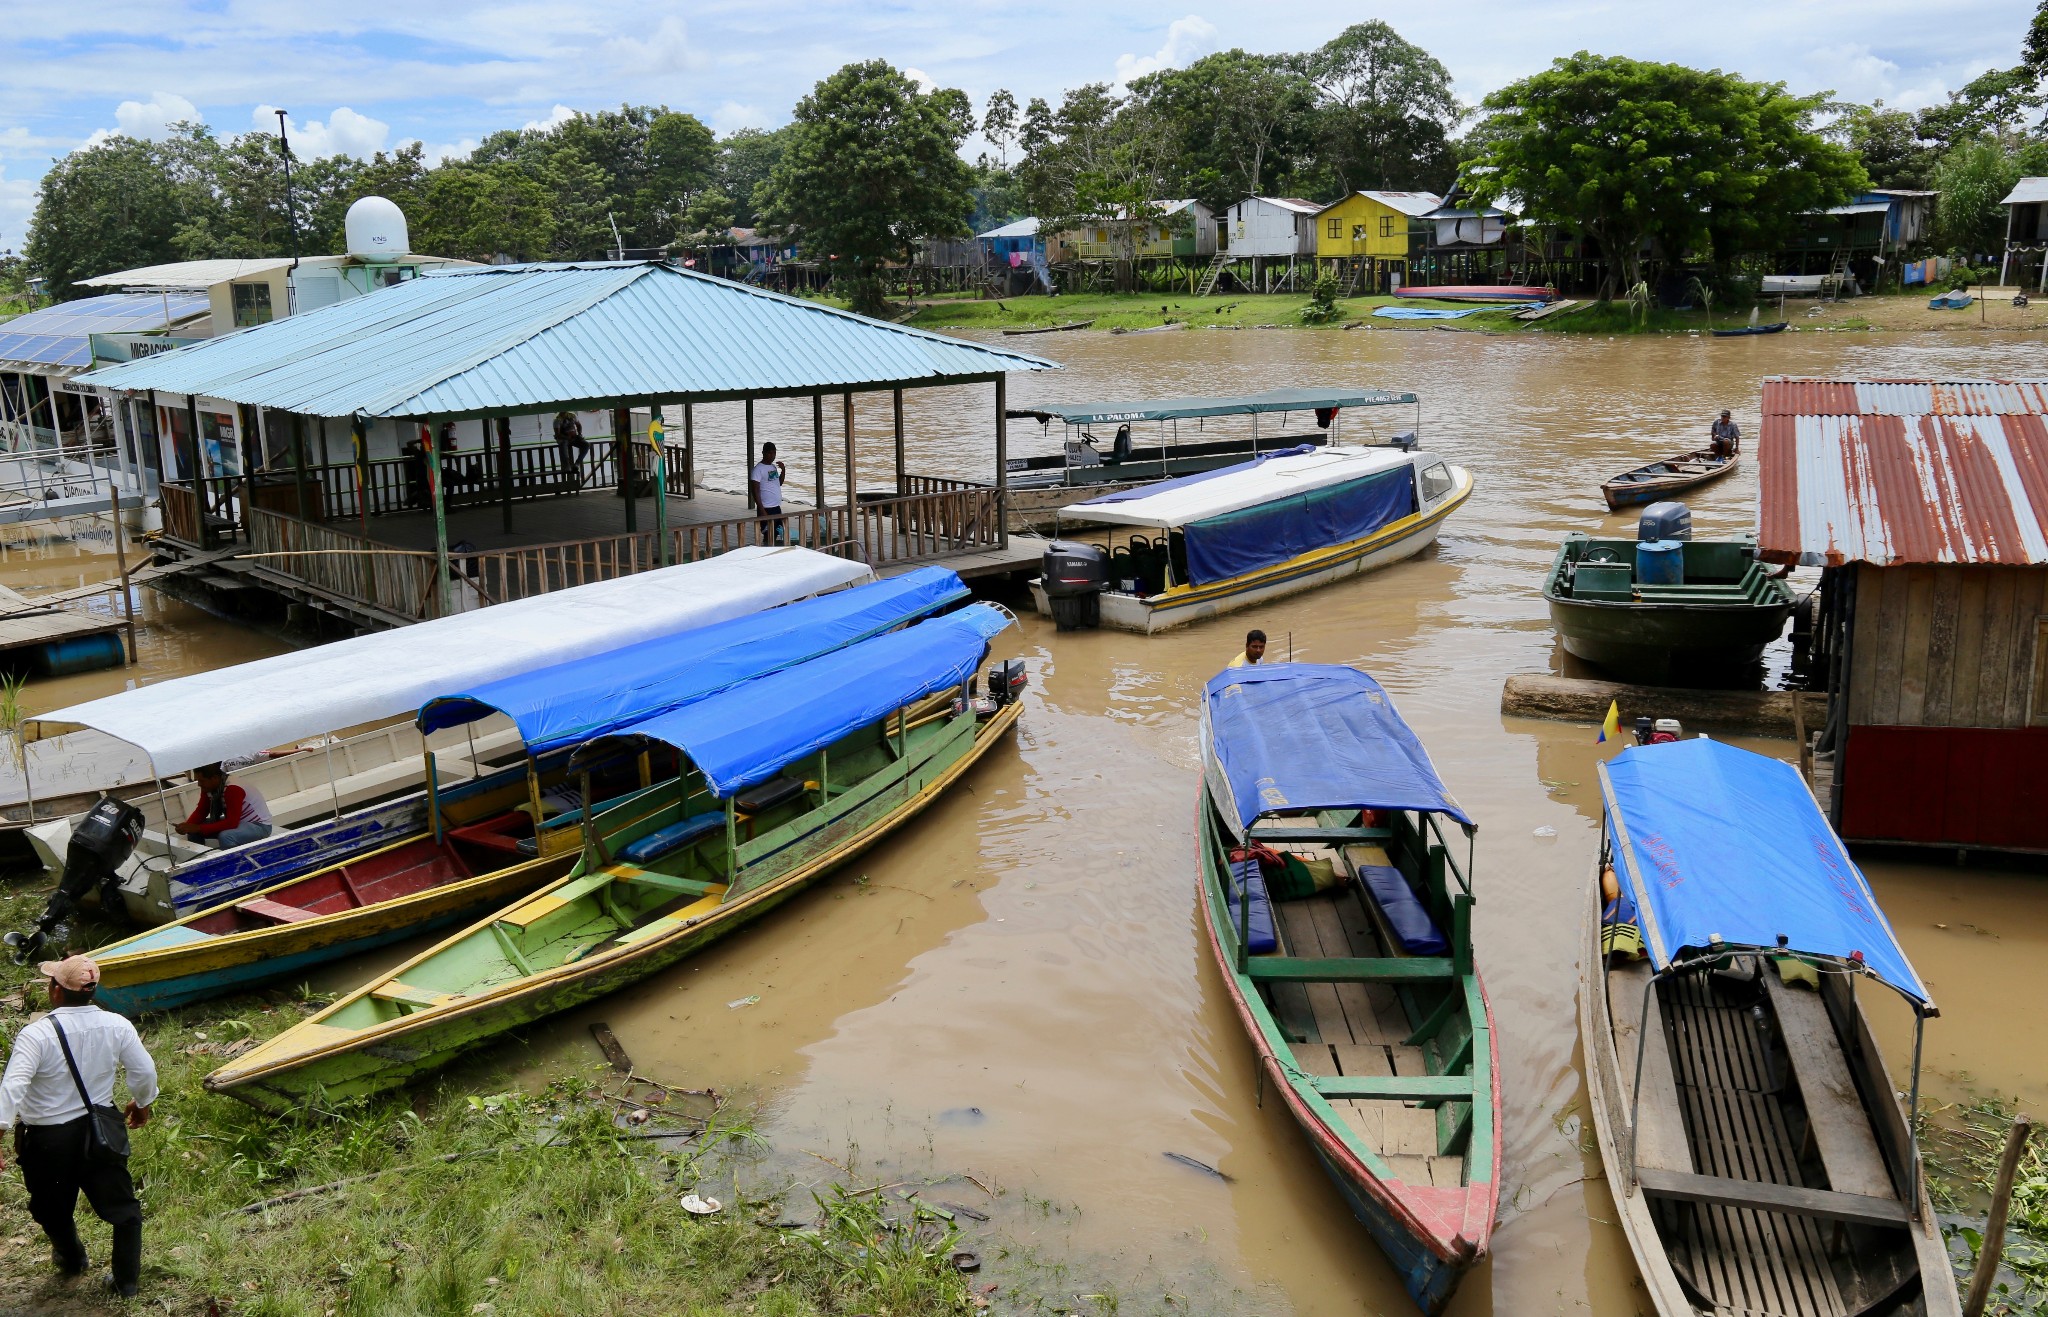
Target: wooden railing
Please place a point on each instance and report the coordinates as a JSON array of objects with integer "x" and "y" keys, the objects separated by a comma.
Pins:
[
  {"x": 352, "y": 569},
  {"x": 398, "y": 484},
  {"x": 206, "y": 513}
]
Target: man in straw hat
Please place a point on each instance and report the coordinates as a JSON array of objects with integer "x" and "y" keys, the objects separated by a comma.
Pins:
[{"x": 58, "y": 1060}]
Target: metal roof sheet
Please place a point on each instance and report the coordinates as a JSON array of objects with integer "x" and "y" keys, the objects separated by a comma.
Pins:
[
  {"x": 1903, "y": 471},
  {"x": 59, "y": 335},
  {"x": 1412, "y": 204},
  {"x": 1023, "y": 228},
  {"x": 525, "y": 338},
  {"x": 2027, "y": 189},
  {"x": 188, "y": 274}
]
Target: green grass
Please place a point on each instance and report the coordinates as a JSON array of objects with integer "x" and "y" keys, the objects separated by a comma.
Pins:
[{"x": 519, "y": 1202}]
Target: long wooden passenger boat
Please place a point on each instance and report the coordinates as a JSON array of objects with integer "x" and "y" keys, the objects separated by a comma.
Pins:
[
  {"x": 1654, "y": 613},
  {"x": 1360, "y": 999},
  {"x": 465, "y": 863},
  {"x": 1120, "y": 458},
  {"x": 1278, "y": 525},
  {"x": 1665, "y": 478},
  {"x": 1747, "y": 1119},
  {"x": 861, "y": 741},
  {"x": 244, "y": 709}
]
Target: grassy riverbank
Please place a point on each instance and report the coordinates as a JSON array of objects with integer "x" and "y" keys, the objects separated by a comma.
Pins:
[
  {"x": 1133, "y": 311},
  {"x": 561, "y": 1201}
]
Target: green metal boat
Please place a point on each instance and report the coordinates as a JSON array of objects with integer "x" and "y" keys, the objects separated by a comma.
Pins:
[
  {"x": 1717, "y": 615},
  {"x": 860, "y": 741}
]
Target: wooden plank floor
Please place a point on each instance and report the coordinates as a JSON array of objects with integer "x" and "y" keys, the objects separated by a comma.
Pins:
[
  {"x": 1357, "y": 1029},
  {"x": 1743, "y": 1260}
]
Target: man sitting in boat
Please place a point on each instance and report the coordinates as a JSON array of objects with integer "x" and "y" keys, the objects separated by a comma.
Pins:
[
  {"x": 1726, "y": 436},
  {"x": 225, "y": 815},
  {"x": 1254, "y": 650}
]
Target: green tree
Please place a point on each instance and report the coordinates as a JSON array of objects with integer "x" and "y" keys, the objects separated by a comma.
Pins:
[
  {"x": 706, "y": 221},
  {"x": 681, "y": 155},
  {"x": 1888, "y": 144},
  {"x": 1640, "y": 156},
  {"x": 1996, "y": 101},
  {"x": 1387, "y": 111},
  {"x": 1100, "y": 161},
  {"x": 484, "y": 212},
  {"x": 999, "y": 124},
  {"x": 108, "y": 207},
  {"x": 746, "y": 157},
  {"x": 1236, "y": 122},
  {"x": 1974, "y": 177},
  {"x": 872, "y": 164}
]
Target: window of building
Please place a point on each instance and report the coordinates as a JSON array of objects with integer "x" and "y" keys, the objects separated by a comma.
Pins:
[
  {"x": 1358, "y": 233},
  {"x": 1386, "y": 226},
  {"x": 252, "y": 304},
  {"x": 1437, "y": 482},
  {"x": 1102, "y": 235},
  {"x": 1336, "y": 227}
]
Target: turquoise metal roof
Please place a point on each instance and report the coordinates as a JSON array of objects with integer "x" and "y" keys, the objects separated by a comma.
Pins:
[{"x": 525, "y": 338}]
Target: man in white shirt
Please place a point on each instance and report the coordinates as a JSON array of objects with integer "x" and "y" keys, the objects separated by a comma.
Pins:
[
  {"x": 52, "y": 1138},
  {"x": 764, "y": 490}
]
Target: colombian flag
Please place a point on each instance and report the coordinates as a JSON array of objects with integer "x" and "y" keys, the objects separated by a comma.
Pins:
[{"x": 1611, "y": 726}]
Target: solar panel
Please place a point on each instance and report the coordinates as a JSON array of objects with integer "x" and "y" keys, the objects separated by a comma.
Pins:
[{"x": 56, "y": 335}]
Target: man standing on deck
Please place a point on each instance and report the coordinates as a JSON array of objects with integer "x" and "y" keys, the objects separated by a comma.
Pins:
[
  {"x": 1254, "y": 650},
  {"x": 764, "y": 491},
  {"x": 61, "y": 1063},
  {"x": 1726, "y": 436}
]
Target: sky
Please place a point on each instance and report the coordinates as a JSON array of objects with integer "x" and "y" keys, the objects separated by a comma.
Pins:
[{"x": 356, "y": 78}]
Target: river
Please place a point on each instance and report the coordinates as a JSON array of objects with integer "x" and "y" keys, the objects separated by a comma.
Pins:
[{"x": 1014, "y": 986}]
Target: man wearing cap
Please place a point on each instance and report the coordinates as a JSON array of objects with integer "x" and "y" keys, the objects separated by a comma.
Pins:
[{"x": 39, "y": 1095}]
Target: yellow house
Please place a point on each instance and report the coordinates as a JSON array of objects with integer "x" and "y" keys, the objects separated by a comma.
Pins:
[{"x": 1373, "y": 227}]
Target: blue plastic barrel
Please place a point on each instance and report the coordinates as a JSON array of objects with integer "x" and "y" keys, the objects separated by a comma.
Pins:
[
  {"x": 1660, "y": 562},
  {"x": 62, "y": 658}
]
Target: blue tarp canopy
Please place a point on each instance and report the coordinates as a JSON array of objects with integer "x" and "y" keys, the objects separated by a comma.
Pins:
[
  {"x": 1252, "y": 538},
  {"x": 1295, "y": 737},
  {"x": 751, "y": 732},
  {"x": 1426, "y": 312},
  {"x": 570, "y": 702},
  {"x": 1716, "y": 841}
]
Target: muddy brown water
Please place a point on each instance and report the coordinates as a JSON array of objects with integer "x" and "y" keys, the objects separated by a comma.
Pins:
[{"x": 1015, "y": 987}]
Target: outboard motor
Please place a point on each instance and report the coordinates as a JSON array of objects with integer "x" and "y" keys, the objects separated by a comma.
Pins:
[
  {"x": 1073, "y": 576},
  {"x": 100, "y": 845},
  {"x": 1404, "y": 440},
  {"x": 1665, "y": 521},
  {"x": 1006, "y": 682},
  {"x": 1660, "y": 544}
]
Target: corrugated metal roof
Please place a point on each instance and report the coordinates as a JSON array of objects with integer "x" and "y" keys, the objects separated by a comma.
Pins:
[
  {"x": 2027, "y": 189},
  {"x": 1412, "y": 204},
  {"x": 188, "y": 274},
  {"x": 59, "y": 335},
  {"x": 524, "y": 338},
  {"x": 1903, "y": 471},
  {"x": 1023, "y": 228}
]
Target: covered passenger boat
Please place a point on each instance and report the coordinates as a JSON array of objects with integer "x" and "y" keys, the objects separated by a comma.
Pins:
[
  {"x": 1356, "y": 987},
  {"x": 1754, "y": 1146},
  {"x": 1282, "y": 523},
  {"x": 245, "y": 709},
  {"x": 451, "y": 872},
  {"x": 1146, "y": 441},
  {"x": 861, "y": 740}
]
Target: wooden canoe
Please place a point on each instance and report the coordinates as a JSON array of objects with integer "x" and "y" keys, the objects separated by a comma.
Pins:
[
  {"x": 1737, "y": 1128},
  {"x": 1050, "y": 329},
  {"x": 412, "y": 887},
  {"x": 1662, "y": 479},
  {"x": 1385, "y": 1059},
  {"x": 1748, "y": 331},
  {"x": 612, "y": 922}
]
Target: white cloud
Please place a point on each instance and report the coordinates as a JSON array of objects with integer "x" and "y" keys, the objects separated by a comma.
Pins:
[
  {"x": 345, "y": 132},
  {"x": 667, "y": 49},
  {"x": 926, "y": 83},
  {"x": 1187, "y": 40},
  {"x": 559, "y": 116},
  {"x": 731, "y": 116},
  {"x": 150, "y": 119},
  {"x": 434, "y": 155},
  {"x": 17, "y": 202}
]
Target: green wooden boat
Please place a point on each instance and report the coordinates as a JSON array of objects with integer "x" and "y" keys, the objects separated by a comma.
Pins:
[
  {"x": 678, "y": 865},
  {"x": 1719, "y": 616}
]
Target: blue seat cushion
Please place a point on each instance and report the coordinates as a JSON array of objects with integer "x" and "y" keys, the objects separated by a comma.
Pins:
[
  {"x": 1406, "y": 915},
  {"x": 1243, "y": 882},
  {"x": 673, "y": 837}
]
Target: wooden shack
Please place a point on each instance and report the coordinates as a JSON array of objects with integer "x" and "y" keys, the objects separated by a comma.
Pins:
[
  {"x": 1369, "y": 238},
  {"x": 1926, "y": 505}
]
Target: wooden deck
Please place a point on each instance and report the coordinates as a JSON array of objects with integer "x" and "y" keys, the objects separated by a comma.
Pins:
[{"x": 28, "y": 623}]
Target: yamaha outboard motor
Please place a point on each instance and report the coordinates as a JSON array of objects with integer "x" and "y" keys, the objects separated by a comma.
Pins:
[
  {"x": 100, "y": 845},
  {"x": 1074, "y": 576}
]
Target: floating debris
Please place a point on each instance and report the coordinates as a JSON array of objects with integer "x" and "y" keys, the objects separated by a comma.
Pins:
[
  {"x": 697, "y": 1206},
  {"x": 1202, "y": 1166},
  {"x": 743, "y": 1002}
]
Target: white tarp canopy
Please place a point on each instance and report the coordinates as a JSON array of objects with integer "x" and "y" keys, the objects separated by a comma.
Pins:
[
  {"x": 189, "y": 721},
  {"x": 1198, "y": 498}
]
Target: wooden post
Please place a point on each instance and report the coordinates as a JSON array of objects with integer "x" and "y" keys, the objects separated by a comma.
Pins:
[
  {"x": 897, "y": 400},
  {"x": 657, "y": 437},
  {"x": 326, "y": 460},
  {"x": 846, "y": 414},
  {"x": 259, "y": 432},
  {"x": 505, "y": 471},
  {"x": 195, "y": 467},
  {"x": 1994, "y": 1229},
  {"x": 689, "y": 450},
  {"x": 440, "y": 505},
  {"x": 818, "y": 443},
  {"x": 299, "y": 463},
  {"x": 622, "y": 462},
  {"x": 359, "y": 438},
  {"x": 1002, "y": 462},
  {"x": 751, "y": 459},
  {"x": 121, "y": 565}
]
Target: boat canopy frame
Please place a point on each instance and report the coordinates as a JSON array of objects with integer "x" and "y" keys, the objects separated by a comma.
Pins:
[{"x": 1327, "y": 405}]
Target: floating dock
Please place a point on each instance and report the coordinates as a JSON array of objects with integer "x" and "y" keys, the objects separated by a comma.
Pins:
[{"x": 55, "y": 642}]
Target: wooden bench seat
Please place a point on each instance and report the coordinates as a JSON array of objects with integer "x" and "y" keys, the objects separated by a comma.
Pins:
[
  {"x": 407, "y": 995},
  {"x": 1788, "y": 1199},
  {"x": 275, "y": 911},
  {"x": 1660, "y": 1119},
  {"x": 1350, "y": 969},
  {"x": 664, "y": 881},
  {"x": 1836, "y": 1120}
]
